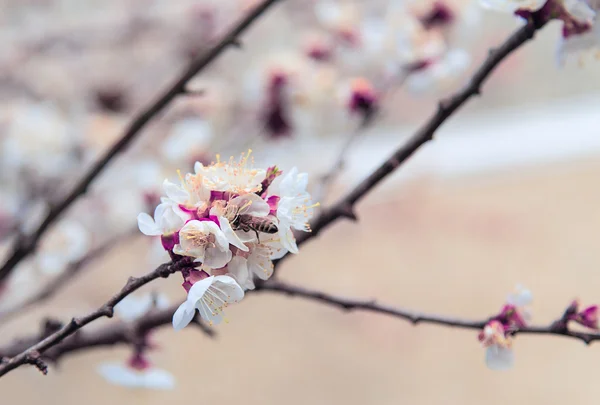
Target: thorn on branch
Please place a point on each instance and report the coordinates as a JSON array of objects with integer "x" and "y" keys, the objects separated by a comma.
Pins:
[
  {"x": 347, "y": 211},
  {"x": 35, "y": 359},
  {"x": 108, "y": 311},
  {"x": 76, "y": 322}
]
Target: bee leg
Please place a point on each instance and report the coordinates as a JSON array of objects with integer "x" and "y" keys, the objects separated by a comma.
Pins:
[{"x": 257, "y": 237}]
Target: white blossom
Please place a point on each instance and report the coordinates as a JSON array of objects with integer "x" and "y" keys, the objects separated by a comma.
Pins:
[
  {"x": 294, "y": 209},
  {"x": 134, "y": 307},
  {"x": 166, "y": 220},
  {"x": 209, "y": 296},
  {"x": 256, "y": 263},
  {"x": 66, "y": 243},
  {"x": 205, "y": 241},
  {"x": 151, "y": 378}
]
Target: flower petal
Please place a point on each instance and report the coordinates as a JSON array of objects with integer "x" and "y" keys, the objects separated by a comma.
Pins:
[
  {"x": 231, "y": 235},
  {"x": 216, "y": 258},
  {"x": 119, "y": 374},
  {"x": 499, "y": 358},
  {"x": 147, "y": 225},
  {"x": 233, "y": 289},
  {"x": 158, "y": 379},
  {"x": 253, "y": 205},
  {"x": 175, "y": 193},
  {"x": 184, "y": 314}
]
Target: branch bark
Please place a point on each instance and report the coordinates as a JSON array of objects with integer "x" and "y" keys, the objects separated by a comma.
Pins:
[
  {"x": 32, "y": 354},
  {"x": 66, "y": 277},
  {"x": 109, "y": 335},
  {"x": 415, "y": 317},
  {"x": 344, "y": 208},
  {"x": 26, "y": 245}
]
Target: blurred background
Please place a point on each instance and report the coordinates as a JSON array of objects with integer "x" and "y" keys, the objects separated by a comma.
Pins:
[{"x": 505, "y": 195}]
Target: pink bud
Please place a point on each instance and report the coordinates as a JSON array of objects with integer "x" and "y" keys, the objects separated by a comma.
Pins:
[
  {"x": 588, "y": 317},
  {"x": 139, "y": 362}
]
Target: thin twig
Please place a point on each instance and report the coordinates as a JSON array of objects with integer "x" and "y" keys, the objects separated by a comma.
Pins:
[
  {"x": 106, "y": 310},
  {"x": 26, "y": 245},
  {"x": 344, "y": 208},
  {"x": 328, "y": 179},
  {"x": 108, "y": 335},
  {"x": 67, "y": 276},
  {"x": 350, "y": 304}
]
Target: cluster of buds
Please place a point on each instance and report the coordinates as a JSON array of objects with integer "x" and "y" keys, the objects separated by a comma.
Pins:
[
  {"x": 587, "y": 317},
  {"x": 579, "y": 30},
  {"x": 496, "y": 335},
  {"x": 233, "y": 221}
]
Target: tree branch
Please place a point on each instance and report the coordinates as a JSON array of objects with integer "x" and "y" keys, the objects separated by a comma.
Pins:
[
  {"x": 33, "y": 352},
  {"x": 67, "y": 276},
  {"x": 109, "y": 335},
  {"x": 350, "y": 304},
  {"x": 344, "y": 208},
  {"x": 26, "y": 245}
]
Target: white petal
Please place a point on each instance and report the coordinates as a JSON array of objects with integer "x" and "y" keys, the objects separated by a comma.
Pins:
[
  {"x": 231, "y": 235},
  {"x": 133, "y": 307},
  {"x": 51, "y": 263},
  {"x": 184, "y": 314},
  {"x": 199, "y": 288},
  {"x": 238, "y": 268},
  {"x": 213, "y": 318},
  {"x": 499, "y": 358},
  {"x": 216, "y": 258},
  {"x": 220, "y": 238},
  {"x": 119, "y": 374},
  {"x": 228, "y": 284},
  {"x": 175, "y": 193},
  {"x": 158, "y": 379},
  {"x": 288, "y": 241},
  {"x": 257, "y": 206},
  {"x": 147, "y": 225}
]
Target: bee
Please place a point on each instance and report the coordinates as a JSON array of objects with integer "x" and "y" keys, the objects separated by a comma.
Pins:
[{"x": 247, "y": 223}]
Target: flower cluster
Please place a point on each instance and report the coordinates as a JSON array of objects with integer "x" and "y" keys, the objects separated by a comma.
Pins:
[
  {"x": 496, "y": 335},
  {"x": 233, "y": 220}
]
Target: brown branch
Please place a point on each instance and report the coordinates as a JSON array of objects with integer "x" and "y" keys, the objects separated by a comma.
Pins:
[
  {"x": 349, "y": 304},
  {"x": 66, "y": 277},
  {"x": 26, "y": 245},
  {"x": 109, "y": 335},
  {"x": 106, "y": 310},
  {"x": 344, "y": 208}
]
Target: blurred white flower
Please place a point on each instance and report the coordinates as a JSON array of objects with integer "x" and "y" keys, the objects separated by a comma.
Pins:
[
  {"x": 499, "y": 358},
  {"x": 498, "y": 353},
  {"x": 40, "y": 141},
  {"x": 64, "y": 244},
  {"x": 435, "y": 74},
  {"x": 134, "y": 307},
  {"x": 511, "y": 6},
  {"x": 150, "y": 378},
  {"x": 188, "y": 139},
  {"x": 209, "y": 296}
]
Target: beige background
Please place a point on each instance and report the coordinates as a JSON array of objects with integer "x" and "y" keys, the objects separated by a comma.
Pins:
[{"x": 449, "y": 247}]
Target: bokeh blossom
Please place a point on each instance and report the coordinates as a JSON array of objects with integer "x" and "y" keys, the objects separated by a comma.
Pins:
[{"x": 496, "y": 336}]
